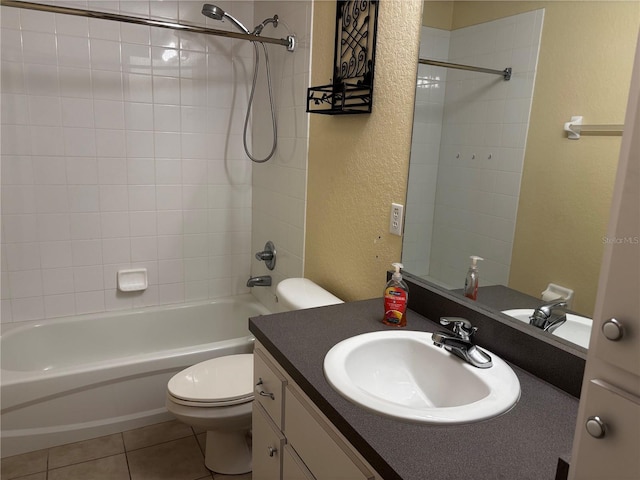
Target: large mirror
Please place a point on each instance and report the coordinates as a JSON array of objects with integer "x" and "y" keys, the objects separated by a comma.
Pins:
[{"x": 492, "y": 171}]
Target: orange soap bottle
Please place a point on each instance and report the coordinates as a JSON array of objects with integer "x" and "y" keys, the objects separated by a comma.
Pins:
[{"x": 396, "y": 298}]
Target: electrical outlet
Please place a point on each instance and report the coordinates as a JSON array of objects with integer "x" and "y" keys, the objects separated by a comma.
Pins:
[{"x": 395, "y": 221}]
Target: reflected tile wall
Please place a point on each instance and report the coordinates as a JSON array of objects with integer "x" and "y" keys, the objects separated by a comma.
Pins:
[
  {"x": 121, "y": 147},
  {"x": 476, "y": 154},
  {"x": 482, "y": 149},
  {"x": 425, "y": 152}
]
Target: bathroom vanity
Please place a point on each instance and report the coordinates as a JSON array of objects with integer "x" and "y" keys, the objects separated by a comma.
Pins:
[
  {"x": 307, "y": 442},
  {"x": 303, "y": 429}
]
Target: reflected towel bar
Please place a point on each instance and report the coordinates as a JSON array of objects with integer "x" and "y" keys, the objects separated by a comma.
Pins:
[
  {"x": 506, "y": 73},
  {"x": 575, "y": 128},
  {"x": 288, "y": 42}
]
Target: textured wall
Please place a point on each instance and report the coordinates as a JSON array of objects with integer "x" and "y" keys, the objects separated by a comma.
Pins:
[
  {"x": 358, "y": 164},
  {"x": 438, "y": 14}
]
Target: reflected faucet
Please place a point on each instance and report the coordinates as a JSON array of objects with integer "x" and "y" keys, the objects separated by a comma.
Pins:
[
  {"x": 544, "y": 318},
  {"x": 260, "y": 281},
  {"x": 459, "y": 342}
]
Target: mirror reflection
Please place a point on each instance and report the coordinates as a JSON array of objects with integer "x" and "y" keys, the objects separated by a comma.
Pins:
[{"x": 492, "y": 172}]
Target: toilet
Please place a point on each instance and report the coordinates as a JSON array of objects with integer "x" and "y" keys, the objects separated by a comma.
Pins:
[
  {"x": 217, "y": 394},
  {"x": 301, "y": 293}
]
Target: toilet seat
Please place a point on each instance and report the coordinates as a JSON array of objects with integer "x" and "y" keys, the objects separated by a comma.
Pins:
[
  {"x": 228, "y": 403},
  {"x": 218, "y": 382}
]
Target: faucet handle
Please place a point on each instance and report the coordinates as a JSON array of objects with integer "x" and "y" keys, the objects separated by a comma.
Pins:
[
  {"x": 549, "y": 307},
  {"x": 265, "y": 255},
  {"x": 268, "y": 255},
  {"x": 461, "y": 326}
]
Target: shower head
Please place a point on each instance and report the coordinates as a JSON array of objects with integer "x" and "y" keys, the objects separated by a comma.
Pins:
[
  {"x": 212, "y": 11},
  {"x": 215, "y": 12}
]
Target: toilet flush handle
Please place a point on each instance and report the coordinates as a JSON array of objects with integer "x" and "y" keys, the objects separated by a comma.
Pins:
[{"x": 261, "y": 392}]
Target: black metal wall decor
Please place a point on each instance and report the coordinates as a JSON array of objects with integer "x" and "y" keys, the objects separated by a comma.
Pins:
[{"x": 354, "y": 60}]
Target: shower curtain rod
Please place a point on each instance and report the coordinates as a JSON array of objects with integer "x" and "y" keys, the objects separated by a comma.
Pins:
[
  {"x": 506, "y": 73},
  {"x": 288, "y": 42}
]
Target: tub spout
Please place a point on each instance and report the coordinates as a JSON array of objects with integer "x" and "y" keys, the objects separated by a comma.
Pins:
[{"x": 261, "y": 281}]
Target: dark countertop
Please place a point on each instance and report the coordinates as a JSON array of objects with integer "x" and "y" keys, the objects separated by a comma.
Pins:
[
  {"x": 501, "y": 298},
  {"x": 524, "y": 443}
]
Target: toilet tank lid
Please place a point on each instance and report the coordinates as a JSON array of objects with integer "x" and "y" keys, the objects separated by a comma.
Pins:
[{"x": 301, "y": 293}]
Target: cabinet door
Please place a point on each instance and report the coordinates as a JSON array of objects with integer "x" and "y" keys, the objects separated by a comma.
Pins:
[
  {"x": 613, "y": 455},
  {"x": 611, "y": 389},
  {"x": 267, "y": 446},
  {"x": 321, "y": 450},
  {"x": 270, "y": 385},
  {"x": 293, "y": 468}
]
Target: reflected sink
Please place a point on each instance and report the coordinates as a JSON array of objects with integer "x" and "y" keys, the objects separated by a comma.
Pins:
[
  {"x": 402, "y": 374},
  {"x": 576, "y": 329}
]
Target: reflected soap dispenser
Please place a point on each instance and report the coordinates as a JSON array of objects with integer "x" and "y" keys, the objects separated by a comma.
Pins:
[
  {"x": 396, "y": 298},
  {"x": 471, "y": 281}
]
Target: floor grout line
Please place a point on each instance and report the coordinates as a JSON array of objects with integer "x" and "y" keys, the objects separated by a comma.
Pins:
[{"x": 200, "y": 448}]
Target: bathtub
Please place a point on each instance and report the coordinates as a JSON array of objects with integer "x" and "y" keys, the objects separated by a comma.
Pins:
[{"x": 76, "y": 378}]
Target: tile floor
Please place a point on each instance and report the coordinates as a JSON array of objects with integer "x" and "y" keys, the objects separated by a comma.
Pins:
[{"x": 165, "y": 451}]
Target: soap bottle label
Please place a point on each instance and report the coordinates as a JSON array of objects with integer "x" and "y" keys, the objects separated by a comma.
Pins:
[{"x": 395, "y": 306}]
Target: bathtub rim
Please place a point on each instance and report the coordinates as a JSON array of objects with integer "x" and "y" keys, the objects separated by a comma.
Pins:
[
  {"x": 12, "y": 328},
  {"x": 21, "y": 387}
]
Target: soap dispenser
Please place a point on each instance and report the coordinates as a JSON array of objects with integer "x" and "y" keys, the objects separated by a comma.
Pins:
[
  {"x": 471, "y": 281},
  {"x": 396, "y": 298}
]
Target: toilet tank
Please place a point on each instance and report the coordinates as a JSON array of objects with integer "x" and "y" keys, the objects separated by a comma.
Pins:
[{"x": 300, "y": 293}]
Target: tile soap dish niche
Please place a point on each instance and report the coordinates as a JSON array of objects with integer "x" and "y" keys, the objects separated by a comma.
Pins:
[{"x": 133, "y": 280}]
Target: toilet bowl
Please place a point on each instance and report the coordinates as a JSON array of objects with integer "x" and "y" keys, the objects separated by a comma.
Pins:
[{"x": 217, "y": 394}]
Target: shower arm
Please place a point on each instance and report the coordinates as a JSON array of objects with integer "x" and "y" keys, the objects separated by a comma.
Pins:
[
  {"x": 289, "y": 42},
  {"x": 258, "y": 29}
]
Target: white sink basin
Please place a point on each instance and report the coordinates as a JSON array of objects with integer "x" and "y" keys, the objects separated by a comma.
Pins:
[
  {"x": 402, "y": 374},
  {"x": 576, "y": 329}
]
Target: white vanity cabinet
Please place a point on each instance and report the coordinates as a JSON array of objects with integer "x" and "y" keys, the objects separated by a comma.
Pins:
[
  {"x": 293, "y": 467},
  {"x": 608, "y": 429},
  {"x": 268, "y": 443},
  {"x": 292, "y": 439}
]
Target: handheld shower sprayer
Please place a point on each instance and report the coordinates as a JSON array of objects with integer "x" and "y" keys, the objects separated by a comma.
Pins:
[{"x": 216, "y": 13}]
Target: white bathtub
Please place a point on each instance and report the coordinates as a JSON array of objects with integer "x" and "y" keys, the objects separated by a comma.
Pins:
[{"x": 77, "y": 378}]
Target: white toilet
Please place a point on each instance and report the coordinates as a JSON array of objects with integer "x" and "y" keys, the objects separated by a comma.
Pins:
[
  {"x": 301, "y": 293},
  {"x": 217, "y": 394}
]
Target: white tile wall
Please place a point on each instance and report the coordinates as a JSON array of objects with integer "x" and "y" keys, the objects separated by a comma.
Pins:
[
  {"x": 121, "y": 147},
  {"x": 279, "y": 185},
  {"x": 425, "y": 152},
  {"x": 480, "y": 154}
]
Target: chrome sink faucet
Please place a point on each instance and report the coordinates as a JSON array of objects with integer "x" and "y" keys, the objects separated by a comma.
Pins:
[
  {"x": 544, "y": 318},
  {"x": 459, "y": 342}
]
